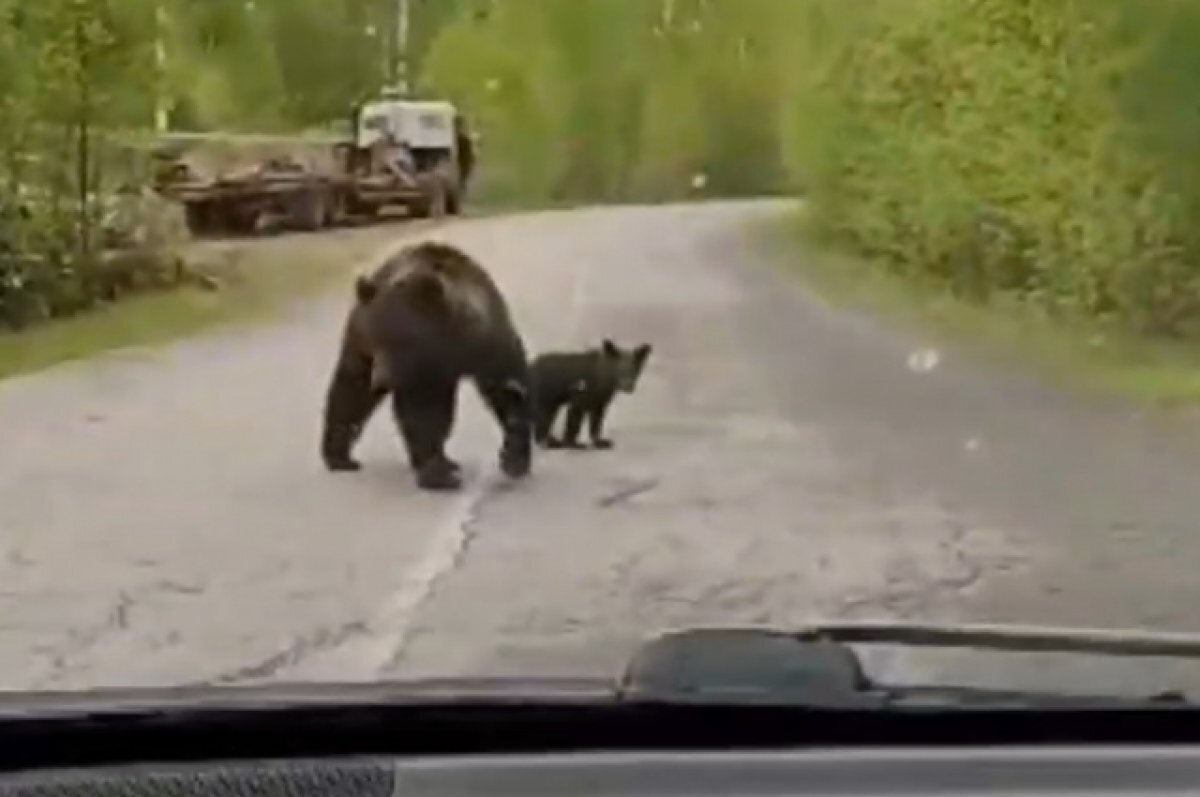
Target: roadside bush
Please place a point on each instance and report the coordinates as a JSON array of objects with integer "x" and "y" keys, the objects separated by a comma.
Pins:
[
  {"x": 46, "y": 274},
  {"x": 70, "y": 63},
  {"x": 1006, "y": 146}
]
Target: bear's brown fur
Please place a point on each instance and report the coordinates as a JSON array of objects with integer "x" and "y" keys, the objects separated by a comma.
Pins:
[
  {"x": 585, "y": 382},
  {"x": 427, "y": 318}
]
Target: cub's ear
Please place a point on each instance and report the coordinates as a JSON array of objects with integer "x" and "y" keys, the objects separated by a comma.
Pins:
[
  {"x": 609, "y": 348},
  {"x": 364, "y": 289},
  {"x": 642, "y": 353}
]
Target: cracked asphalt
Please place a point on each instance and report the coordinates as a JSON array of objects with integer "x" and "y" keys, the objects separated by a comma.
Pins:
[{"x": 165, "y": 519}]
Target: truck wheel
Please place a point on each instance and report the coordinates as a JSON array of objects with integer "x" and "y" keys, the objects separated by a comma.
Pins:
[
  {"x": 241, "y": 221},
  {"x": 355, "y": 206},
  {"x": 312, "y": 211},
  {"x": 335, "y": 213},
  {"x": 199, "y": 218},
  {"x": 433, "y": 206}
]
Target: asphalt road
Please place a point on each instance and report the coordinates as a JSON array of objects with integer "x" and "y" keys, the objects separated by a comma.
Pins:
[{"x": 165, "y": 520}]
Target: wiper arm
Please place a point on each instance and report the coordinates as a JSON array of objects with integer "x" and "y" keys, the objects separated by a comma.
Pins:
[
  {"x": 816, "y": 666},
  {"x": 1017, "y": 638}
]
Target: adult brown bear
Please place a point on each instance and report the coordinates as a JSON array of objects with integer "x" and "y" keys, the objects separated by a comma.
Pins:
[{"x": 427, "y": 318}]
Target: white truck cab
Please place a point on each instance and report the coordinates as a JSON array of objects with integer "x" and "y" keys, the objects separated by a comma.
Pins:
[
  {"x": 420, "y": 137},
  {"x": 423, "y": 125}
]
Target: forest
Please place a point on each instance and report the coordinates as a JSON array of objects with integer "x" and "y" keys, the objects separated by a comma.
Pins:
[{"x": 1039, "y": 150}]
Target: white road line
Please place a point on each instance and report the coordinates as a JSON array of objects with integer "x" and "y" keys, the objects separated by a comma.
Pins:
[{"x": 366, "y": 656}]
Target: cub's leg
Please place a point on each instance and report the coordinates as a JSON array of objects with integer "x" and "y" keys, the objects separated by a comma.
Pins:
[
  {"x": 576, "y": 410},
  {"x": 595, "y": 419},
  {"x": 544, "y": 425}
]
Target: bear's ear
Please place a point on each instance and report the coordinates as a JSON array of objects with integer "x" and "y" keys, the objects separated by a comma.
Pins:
[
  {"x": 609, "y": 348},
  {"x": 364, "y": 289}
]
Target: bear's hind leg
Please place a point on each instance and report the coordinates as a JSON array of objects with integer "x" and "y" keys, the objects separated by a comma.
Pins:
[{"x": 425, "y": 416}]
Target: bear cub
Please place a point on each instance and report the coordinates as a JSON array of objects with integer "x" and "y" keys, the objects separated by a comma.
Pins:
[{"x": 585, "y": 383}]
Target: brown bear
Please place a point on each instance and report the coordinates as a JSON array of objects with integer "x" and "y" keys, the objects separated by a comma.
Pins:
[{"x": 424, "y": 320}]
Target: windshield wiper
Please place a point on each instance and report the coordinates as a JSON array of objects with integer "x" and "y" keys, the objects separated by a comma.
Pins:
[
  {"x": 816, "y": 665},
  {"x": 1017, "y": 638}
]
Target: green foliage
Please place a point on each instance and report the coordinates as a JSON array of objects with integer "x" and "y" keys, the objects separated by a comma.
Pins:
[
  {"x": 271, "y": 64},
  {"x": 611, "y": 99},
  {"x": 70, "y": 60},
  {"x": 1041, "y": 150},
  {"x": 74, "y": 73},
  {"x": 1038, "y": 149}
]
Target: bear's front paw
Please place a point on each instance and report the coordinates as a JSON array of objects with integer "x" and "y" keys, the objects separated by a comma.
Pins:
[
  {"x": 343, "y": 464},
  {"x": 446, "y": 462},
  {"x": 439, "y": 474},
  {"x": 516, "y": 461}
]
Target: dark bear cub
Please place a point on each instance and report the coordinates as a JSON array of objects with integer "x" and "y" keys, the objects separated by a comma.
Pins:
[
  {"x": 427, "y": 318},
  {"x": 585, "y": 383}
]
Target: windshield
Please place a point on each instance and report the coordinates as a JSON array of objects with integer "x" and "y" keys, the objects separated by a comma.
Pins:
[
  {"x": 743, "y": 312},
  {"x": 375, "y": 123}
]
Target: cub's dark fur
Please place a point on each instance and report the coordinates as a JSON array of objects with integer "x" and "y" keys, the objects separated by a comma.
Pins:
[
  {"x": 585, "y": 383},
  {"x": 427, "y": 318}
]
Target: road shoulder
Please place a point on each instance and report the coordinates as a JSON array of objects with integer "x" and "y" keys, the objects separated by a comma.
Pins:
[
  {"x": 251, "y": 281},
  {"x": 1075, "y": 355}
]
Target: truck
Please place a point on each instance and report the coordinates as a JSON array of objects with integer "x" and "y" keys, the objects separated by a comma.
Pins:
[{"x": 400, "y": 153}]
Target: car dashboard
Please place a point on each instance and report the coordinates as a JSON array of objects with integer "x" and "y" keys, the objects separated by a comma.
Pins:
[{"x": 1025, "y": 771}]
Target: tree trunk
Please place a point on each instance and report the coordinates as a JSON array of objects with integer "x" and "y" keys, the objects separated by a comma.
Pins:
[{"x": 83, "y": 140}]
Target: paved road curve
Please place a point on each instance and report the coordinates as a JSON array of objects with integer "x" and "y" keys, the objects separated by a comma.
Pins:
[{"x": 165, "y": 520}]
